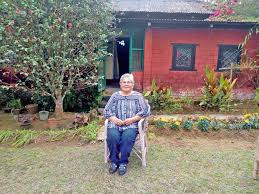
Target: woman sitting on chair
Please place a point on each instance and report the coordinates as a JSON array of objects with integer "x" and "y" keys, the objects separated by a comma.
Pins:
[{"x": 123, "y": 111}]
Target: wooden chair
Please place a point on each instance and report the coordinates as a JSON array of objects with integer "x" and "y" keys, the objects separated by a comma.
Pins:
[
  {"x": 256, "y": 162},
  {"x": 140, "y": 147}
]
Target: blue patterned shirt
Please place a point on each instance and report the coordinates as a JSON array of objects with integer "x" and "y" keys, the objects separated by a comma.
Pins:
[{"x": 124, "y": 107}]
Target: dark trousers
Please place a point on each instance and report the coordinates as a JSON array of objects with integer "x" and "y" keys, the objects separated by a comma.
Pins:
[{"x": 121, "y": 142}]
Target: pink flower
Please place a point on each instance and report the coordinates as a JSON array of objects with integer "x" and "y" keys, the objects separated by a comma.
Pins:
[
  {"x": 216, "y": 13},
  {"x": 18, "y": 11},
  {"x": 234, "y": 1},
  {"x": 69, "y": 25},
  {"x": 230, "y": 11},
  {"x": 30, "y": 12}
]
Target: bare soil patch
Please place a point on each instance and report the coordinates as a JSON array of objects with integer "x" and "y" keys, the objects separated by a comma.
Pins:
[{"x": 8, "y": 121}]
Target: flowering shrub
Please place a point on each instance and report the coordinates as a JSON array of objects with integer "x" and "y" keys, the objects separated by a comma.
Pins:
[
  {"x": 160, "y": 123},
  {"x": 187, "y": 124},
  {"x": 59, "y": 44},
  {"x": 203, "y": 123},
  {"x": 222, "y": 8},
  {"x": 235, "y": 126},
  {"x": 251, "y": 121},
  {"x": 216, "y": 125},
  {"x": 174, "y": 124}
]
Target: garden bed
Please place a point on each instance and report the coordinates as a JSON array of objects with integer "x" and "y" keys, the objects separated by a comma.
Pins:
[{"x": 188, "y": 106}]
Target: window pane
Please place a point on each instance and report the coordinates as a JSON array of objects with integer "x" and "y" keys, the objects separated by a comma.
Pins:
[
  {"x": 137, "y": 60},
  {"x": 137, "y": 39},
  {"x": 183, "y": 57},
  {"x": 229, "y": 56}
]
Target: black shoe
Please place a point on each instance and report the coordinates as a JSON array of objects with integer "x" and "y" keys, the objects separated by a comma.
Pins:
[
  {"x": 113, "y": 168},
  {"x": 122, "y": 169}
]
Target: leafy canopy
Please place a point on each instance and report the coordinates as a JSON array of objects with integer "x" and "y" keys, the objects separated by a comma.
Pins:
[{"x": 57, "y": 43}]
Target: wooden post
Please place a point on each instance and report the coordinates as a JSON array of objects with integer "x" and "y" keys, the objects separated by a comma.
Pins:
[{"x": 231, "y": 71}]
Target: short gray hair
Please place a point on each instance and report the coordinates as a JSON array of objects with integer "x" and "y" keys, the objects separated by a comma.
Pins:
[{"x": 127, "y": 75}]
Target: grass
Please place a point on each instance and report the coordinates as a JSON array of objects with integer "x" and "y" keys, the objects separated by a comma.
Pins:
[
  {"x": 19, "y": 138},
  {"x": 6, "y": 135},
  {"x": 195, "y": 165}
]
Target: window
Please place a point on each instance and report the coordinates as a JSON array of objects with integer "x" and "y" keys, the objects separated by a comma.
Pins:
[
  {"x": 228, "y": 54},
  {"x": 138, "y": 50},
  {"x": 183, "y": 57}
]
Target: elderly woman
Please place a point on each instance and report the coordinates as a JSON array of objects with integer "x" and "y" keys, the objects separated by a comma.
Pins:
[{"x": 123, "y": 110}]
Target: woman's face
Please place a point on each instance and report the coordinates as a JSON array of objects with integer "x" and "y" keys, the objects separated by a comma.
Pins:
[{"x": 126, "y": 85}]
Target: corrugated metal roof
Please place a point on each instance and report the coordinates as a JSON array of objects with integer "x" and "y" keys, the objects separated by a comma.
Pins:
[
  {"x": 167, "y": 20},
  {"x": 187, "y": 23},
  {"x": 163, "y": 6}
]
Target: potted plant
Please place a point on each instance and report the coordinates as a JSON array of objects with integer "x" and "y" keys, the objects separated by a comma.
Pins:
[
  {"x": 44, "y": 115},
  {"x": 15, "y": 106}
]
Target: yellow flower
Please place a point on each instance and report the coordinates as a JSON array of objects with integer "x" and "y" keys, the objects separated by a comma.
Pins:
[
  {"x": 178, "y": 123},
  {"x": 247, "y": 121},
  {"x": 203, "y": 118},
  {"x": 156, "y": 119},
  {"x": 246, "y": 116},
  {"x": 171, "y": 120},
  {"x": 163, "y": 119}
]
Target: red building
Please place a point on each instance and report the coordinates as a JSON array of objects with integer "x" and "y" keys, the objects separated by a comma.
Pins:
[{"x": 172, "y": 42}]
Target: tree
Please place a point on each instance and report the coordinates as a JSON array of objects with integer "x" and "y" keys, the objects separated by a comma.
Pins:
[
  {"x": 237, "y": 10},
  {"x": 58, "y": 43}
]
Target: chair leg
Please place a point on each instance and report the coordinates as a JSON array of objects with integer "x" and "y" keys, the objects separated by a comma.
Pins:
[
  {"x": 255, "y": 171},
  {"x": 144, "y": 161},
  {"x": 105, "y": 152},
  {"x": 143, "y": 152}
]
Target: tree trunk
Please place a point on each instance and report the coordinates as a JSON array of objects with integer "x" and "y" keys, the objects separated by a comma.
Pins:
[{"x": 59, "y": 106}]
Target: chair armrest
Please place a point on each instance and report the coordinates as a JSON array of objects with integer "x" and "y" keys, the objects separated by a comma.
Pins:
[
  {"x": 105, "y": 128},
  {"x": 142, "y": 125},
  {"x": 106, "y": 123}
]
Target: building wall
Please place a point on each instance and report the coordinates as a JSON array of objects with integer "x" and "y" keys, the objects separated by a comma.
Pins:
[{"x": 158, "y": 57}]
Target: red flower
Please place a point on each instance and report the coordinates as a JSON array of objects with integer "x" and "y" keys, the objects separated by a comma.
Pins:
[
  {"x": 69, "y": 25},
  {"x": 18, "y": 11},
  {"x": 230, "y": 11},
  {"x": 216, "y": 13}
]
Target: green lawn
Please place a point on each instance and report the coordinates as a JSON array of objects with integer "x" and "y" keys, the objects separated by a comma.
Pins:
[{"x": 194, "y": 165}]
